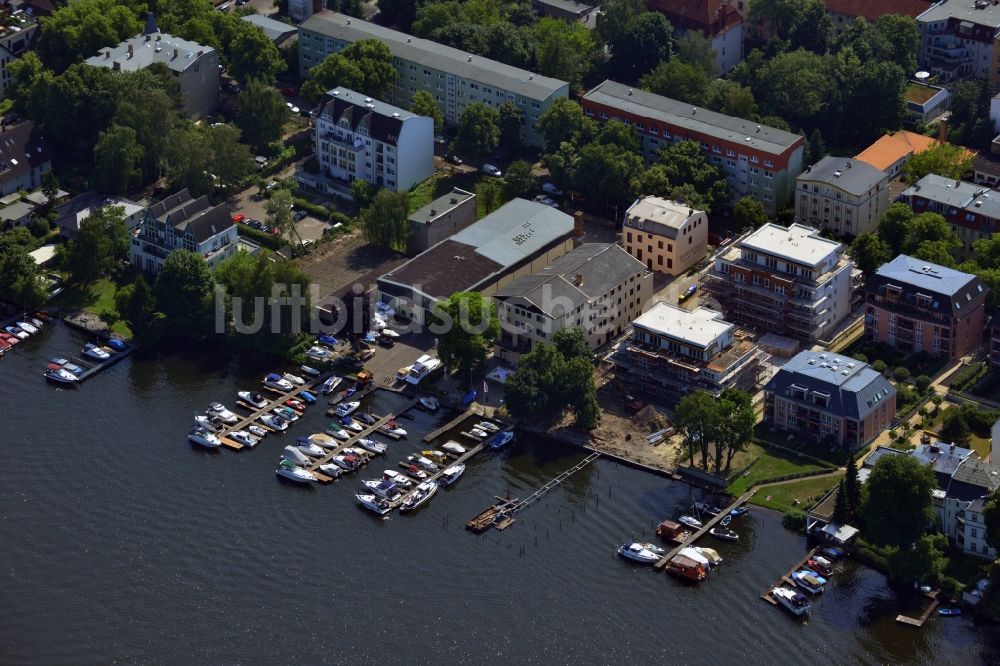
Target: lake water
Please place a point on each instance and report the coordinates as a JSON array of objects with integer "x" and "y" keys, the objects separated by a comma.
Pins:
[{"x": 123, "y": 543}]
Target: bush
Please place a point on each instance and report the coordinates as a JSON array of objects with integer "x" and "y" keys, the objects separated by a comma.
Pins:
[
  {"x": 951, "y": 588},
  {"x": 322, "y": 212},
  {"x": 860, "y": 357},
  {"x": 967, "y": 376},
  {"x": 879, "y": 366},
  {"x": 901, "y": 373},
  {"x": 923, "y": 383},
  {"x": 336, "y": 217},
  {"x": 794, "y": 520},
  {"x": 39, "y": 226},
  {"x": 271, "y": 241},
  {"x": 937, "y": 399}
]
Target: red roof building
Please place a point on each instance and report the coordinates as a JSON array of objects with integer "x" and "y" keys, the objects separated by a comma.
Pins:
[
  {"x": 717, "y": 20},
  {"x": 845, "y": 11}
]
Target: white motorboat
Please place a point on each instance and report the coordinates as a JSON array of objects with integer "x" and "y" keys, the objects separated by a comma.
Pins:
[
  {"x": 690, "y": 522},
  {"x": 219, "y": 411},
  {"x": 325, "y": 441},
  {"x": 275, "y": 381},
  {"x": 293, "y": 472},
  {"x": 453, "y": 447},
  {"x": 257, "y": 431},
  {"x": 61, "y": 375},
  {"x": 372, "y": 445},
  {"x": 724, "y": 533},
  {"x": 310, "y": 449},
  {"x": 638, "y": 552},
  {"x": 383, "y": 488},
  {"x": 373, "y": 503},
  {"x": 243, "y": 437},
  {"x": 451, "y": 475},
  {"x": 420, "y": 496},
  {"x": 273, "y": 421},
  {"x": 709, "y": 554},
  {"x": 351, "y": 424},
  {"x": 309, "y": 370},
  {"x": 796, "y": 602},
  {"x": 423, "y": 463},
  {"x": 332, "y": 382},
  {"x": 339, "y": 433},
  {"x": 26, "y": 327},
  {"x": 208, "y": 423},
  {"x": 415, "y": 471},
  {"x": 423, "y": 367},
  {"x": 488, "y": 426},
  {"x": 204, "y": 438},
  {"x": 430, "y": 403},
  {"x": 16, "y": 332},
  {"x": 400, "y": 479},
  {"x": 694, "y": 554},
  {"x": 809, "y": 581},
  {"x": 292, "y": 454},
  {"x": 331, "y": 470},
  {"x": 37, "y": 323},
  {"x": 294, "y": 379},
  {"x": 95, "y": 352},
  {"x": 475, "y": 434},
  {"x": 286, "y": 413},
  {"x": 252, "y": 399},
  {"x": 393, "y": 429},
  {"x": 347, "y": 463},
  {"x": 347, "y": 408}
]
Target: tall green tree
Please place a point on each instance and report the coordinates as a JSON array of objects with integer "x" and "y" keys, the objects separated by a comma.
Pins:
[
  {"x": 519, "y": 179},
  {"x": 800, "y": 23},
  {"x": 693, "y": 48},
  {"x": 260, "y": 114},
  {"x": 750, "y": 213},
  {"x": 607, "y": 171},
  {"x": 137, "y": 306},
  {"x": 184, "y": 294},
  {"x": 252, "y": 55},
  {"x": 898, "y": 508},
  {"x": 424, "y": 104},
  {"x": 490, "y": 195},
  {"x": 79, "y": 29},
  {"x": 510, "y": 121},
  {"x": 565, "y": 50},
  {"x": 118, "y": 160},
  {"x": 365, "y": 66},
  {"x": 21, "y": 281},
  {"x": 922, "y": 562},
  {"x": 279, "y": 212},
  {"x": 565, "y": 121},
  {"x": 686, "y": 164},
  {"x": 384, "y": 222},
  {"x": 478, "y": 130},
  {"x": 869, "y": 252},
  {"x": 680, "y": 80},
  {"x": 469, "y": 324},
  {"x": 696, "y": 417},
  {"x": 101, "y": 244},
  {"x": 736, "y": 423},
  {"x": 852, "y": 490},
  {"x": 614, "y": 17},
  {"x": 894, "y": 227},
  {"x": 943, "y": 159},
  {"x": 647, "y": 39}
]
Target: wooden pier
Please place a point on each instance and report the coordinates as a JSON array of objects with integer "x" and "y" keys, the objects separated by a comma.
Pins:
[
  {"x": 787, "y": 578},
  {"x": 256, "y": 413},
  {"x": 919, "y": 621},
  {"x": 743, "y": 499},
  {"x": 434, "y": 434},
  {"x": 488, "y": 518},
  {"x": 552, "y": 483},
  {"x": 441, "y": 468}
]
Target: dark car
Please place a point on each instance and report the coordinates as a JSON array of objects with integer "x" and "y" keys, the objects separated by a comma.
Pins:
[
  {"x": 454, "y": 159},
  {"x": 256, "y": 224},
  {"x": 387, "y": 342},
  {"x": 299, "y": 214},
  {"x": 351, "y": 362}
]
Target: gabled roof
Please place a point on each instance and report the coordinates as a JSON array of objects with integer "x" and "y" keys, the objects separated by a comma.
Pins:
[
  {"x": 949, "y": 290},
  {"x": 196, "y": 216},
  {"x": 973, "y": 479},
  {"x": 712, "y": 17},
  {"x": 852, "y": 176},
  {"x": 384, "y": 121},
  {"x": 873, "y": 9},
  {"x": 143, "y": 50},
  {"x": 276, "y": 31},
  {"x": 22, "y": 149},
  {"x": 853, "y": 387},
  {"x": 891, "y": 148}
]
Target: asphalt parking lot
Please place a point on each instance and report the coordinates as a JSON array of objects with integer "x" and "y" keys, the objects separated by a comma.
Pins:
[{"x": 387, "y": 362}]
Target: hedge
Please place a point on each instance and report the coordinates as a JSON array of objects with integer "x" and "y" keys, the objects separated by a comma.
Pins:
[
  {"x": 270, "y": 241},
  {"x": 967, "y": 376},
  {"x": 322, "y": 212}
]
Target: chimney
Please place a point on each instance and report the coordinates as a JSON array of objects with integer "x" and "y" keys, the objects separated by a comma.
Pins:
[
  {"x": 578, "y": 280},
  {"x": 578, "y": 224},
  {"x": 107, "y": 55},
  {"x": 943, "y": 130},
  {"x": 175, "y": 55}
]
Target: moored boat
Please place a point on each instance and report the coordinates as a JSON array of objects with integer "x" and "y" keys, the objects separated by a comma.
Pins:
[
  {"x": 690, "y": 522},
  {"x": 383, "y": 488},
  {"x": 309, "y": 370},
  {"x": 338, "y": 432},
  {"x": 501, "y": 439},
  {"x": 16, "y": 332},
  {"x": 809, "y": 581},
  {"x": 351, "y": 424},
  {"x": 686, "y": 568},
  {"x": 331, "y": 383},
  {"x": 724, "y": 533},
  {"x": 475, "y": 434},
  {"x": 374, "y": 504},
  {"x": 307, "y": 397},
  {"x": 243, "y": 437},
  {"x": 710, "y": 554},
  {"x": 372, "y": 446},
  {"x": 293, "y": 472},
  {"x": 488, "y": 426},
  {"x": 257, "y": 431},
  {"x": 423, "y": 463},
  {"x": 321, "y": 439},
  {"x": 95, "y": 352},
  {"x": 204, "y": 438},
  {"x": 116, "y": 344},
  {"x": 218, "y": 410},
  {"x": 795, "y": 602},
  {"x": 61, "y": 376},
  {"x": 437, "y": 456},
  {"x": 639, "y": 552},
  {"x": 275, "y": 381},
  {"x": 26, "y": 327},
  {"x": 294, "y": 455},
  {"x": 420, "y": 496},
  {"x": 286, "y": 413},
  {"x": 294, "y": 379},
  {"x": 208, "y": 423},
  {"x": 331, "y": 470},
  {"x": 401, "y": 480},
  {"x": 453, "y": 447},
  {"x": 430, "y": 403},
  {"x": 365, "y": 418},
  {"x": 252, "y": 399},
  {"x": 347, "y": 408},
  {"x": 274, "y": 421},
  {"x": 949, "y": 612},
  {"x": 392, "y": 429},
  {"x": 451, "y": 474}
]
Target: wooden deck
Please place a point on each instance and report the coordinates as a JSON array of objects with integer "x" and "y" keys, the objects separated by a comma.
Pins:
[
  {"x": 786, "y": 579},
  {"x": 437, "y": 475},
  {"x": 919, "y": 621},
  {"x": 743, "y": 499},
  {"x": 434, "y": 434},
  {"x": 278, "y": 401}
]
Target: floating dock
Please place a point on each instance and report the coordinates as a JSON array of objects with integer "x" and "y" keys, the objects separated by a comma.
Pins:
[
  {"x": 436, "y": 475},
  {"x": 743, "y": 499},
  {"x": 256, "y": 413},
  {"x": 919, "y": 621},
  {"x": 787, "y": 578}
]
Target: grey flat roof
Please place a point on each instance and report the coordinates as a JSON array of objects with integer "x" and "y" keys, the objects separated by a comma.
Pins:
[
  {"x": 797, "y": 243},
  {"x": 437, "y": 56},
  {"x": 516, "y": 230},
  {"x": 16, "y": 211},
  {"x": 958, "y": 194},
  {"x": 276, "y": 31},
  {"x": 852, "y": 176},
  {"x": 681, "y": 114},
  {"x": 963, "y": 10},
  {"x": 440, "y": 206},
  {"x": 149, "y": 49},
  {"x": 699, "y": 327}
]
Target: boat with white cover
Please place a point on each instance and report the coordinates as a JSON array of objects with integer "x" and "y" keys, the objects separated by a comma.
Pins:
[
  {"x": 451, "y": 475},
  {"x": 639, "y": 552},
  {"x": 293, "y": 472},
  {"x": 204, "y": 438},
  {"x": 374, "y": 504},
  {"x": 420, "y": 496}
]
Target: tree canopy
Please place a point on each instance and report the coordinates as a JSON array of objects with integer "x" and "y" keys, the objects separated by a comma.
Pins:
[
  {"x": 943, "y": 159},
  {"x": 478, "y": 130},
  {"x": 260, "y": 114},
  {"x": 424, "y": 104},
  {"x": 79, "y": 29},
  {"x": 384, "y": 221},
  {"x": 184, "y": 294},
  {"x": 470, "y": 324},
  {"x": 365, "y": 66},
  {"x": 898, "y": 508}
]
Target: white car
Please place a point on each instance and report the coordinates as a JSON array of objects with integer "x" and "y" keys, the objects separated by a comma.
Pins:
[
  {"x": 542, "y": 199},
  {"x": 292, "y": 107},
  {"x": 491, "y": 170},
  {"x": 549, "y": 188}
]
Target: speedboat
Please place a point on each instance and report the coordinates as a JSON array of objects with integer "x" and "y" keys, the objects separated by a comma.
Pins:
[
  {"x": 351, "y": 424},
  {"x": 724, "y": 533},
  {"x": 696, "y": 555},
  {"x": 243, "y": 437},
  {"x": 372, "y": 445},
  {"x": 286, "y": 413},
  {"x": 739, "y": 511},
  {"x": 26, "y": 327},
  {"x": 706, "y": 507},
  {"x": 37, "y": 323},
  {"x": 401, "y": 480},
  {"x": 305, "y": 446},
  {"x": 338, "y": 432},
  {"x": 420, "y": 496},
  {"x": 16, "y": 332},
  {"x": 453, "y": 447},
  {"x": 809, "y": 581},
  {"x": 332, "y": 382},
  {"x": 292, "y": 454},
  {"x": 476, "y": 433},
  {"x": 361, "y": 454},
  {"x": 709, "y": 554},
  {"x": 638, "y": 552},
  {"x": 796, "y": 602},
  {"x": 346, "y": 408},
  {"x": 294, "y": 379},
  {"x": 347, "y": 463},
  {"x": 413, "y": 470},
  {"x": 274, "y": 421},
  {"x": 832, "y": 553},
  {"x": 325, "y": 339},
  {"x": 257, "y": 431},
  {"x": 219, "y": 411},
  {"x": 393, "y": 429},
  {"x": 690, "y": 522},
  {"x": 296, "y": 404},
  {"x": 275, "y": 381},
  {"x": 372, "y": 503},
  {"x": 820, "y": 565},
  {"x": 949, "y": 612},
  {"x": 501, "y": 439},
  {"x": 488, "y": 426},
  {"x": 208, "y": 423},
  {"x": 309, "y": 370},
  {"x": 61, "y": 376},
  {"x": 204, "y": 438},
  {"x": 331, "y": 470},
  {"x": 389, "y": 333},
  {"x": 293, "y": 472},
  {"x": 325, "y": 441},
  {"x": 423, "y": 463},
  {"x": 116, "y": 344},
  {"x": 451, "y": 475},
  {"x": 384, "y": 488},
  {"x": 307, "y": 397},
  {"x": 430, "y": 403},
  {"x": 365, "y": 418},
  {"x": 72, "y": 367},
  {"x": 95, "y": 352},
  {"x": 437, "y": 456},
  {"x": 252, "y": 399}
]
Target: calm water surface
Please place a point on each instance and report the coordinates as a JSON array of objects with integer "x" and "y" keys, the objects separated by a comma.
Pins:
[{"x": 123, "y": 543}]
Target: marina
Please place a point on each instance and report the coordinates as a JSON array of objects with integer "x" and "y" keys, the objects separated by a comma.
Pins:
[
  {"x": 743, "y": 499},
  {"x": 786, "y": 579}
]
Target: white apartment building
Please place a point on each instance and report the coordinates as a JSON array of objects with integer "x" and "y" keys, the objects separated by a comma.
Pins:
[
  {"x": 358, "y": 137},
  {"x": 596, "y": 287},
  {"x": 842, "y": 195},
  {"x": 180, "y": 222}
]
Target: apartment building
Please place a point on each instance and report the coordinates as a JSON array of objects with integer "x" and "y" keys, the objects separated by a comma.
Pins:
[
  {"x": 300, "y": 10},
  {"x": 820, "y": 396},
  {"x": 785, "y": 280},
  {"x": 195, "y": 68},
  {"x": 357, "y": 137},
  {"x": 959, "y": 39},
  {"x": 972, "y": 211},
  {"x": 455, "y": 78},
  {"x": 670, "y": 237},
  {"x": 758, "y": 161},
  {"x": 24, "y": 157},
  {"x": 891, "y": 151},
  {"x": 845, "y": 196},
  {"x": 844, "y": 12},
  {"x": 18, "y": 32},
  {"x": 181, "y": 222},
  {"x": 597, "y": 287},
  {"x": 673, "y": 352},
  {"x": 916, "y": 306},
  {"x": 964, "y": 503},
  {"x": 994, "y": 348},
  {"x": 719, "y": 21}
]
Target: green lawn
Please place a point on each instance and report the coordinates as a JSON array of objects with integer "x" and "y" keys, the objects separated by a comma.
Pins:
[
  {"x": 833, "y": 456},
  {"x": 798, "y": 494},
  {"x": 917, "y": 364},
  {"x": 772, "y": 464},
  {"x": 97, "y": 298},
  {"x": 980, "y": 444},
  {"x": 440, "y": 184}
]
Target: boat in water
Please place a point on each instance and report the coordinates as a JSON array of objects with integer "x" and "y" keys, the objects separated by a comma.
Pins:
[
  {"x": 16, "y": 332},
  {"x": 307, "y": 397},
  {"x": 374, "y": 504},
  {"x": 392, "y": 429},
  {"x": 809, "y": 581},
  {"x": 372, "y": 446},
  {"x": 693, "y": 553},
  {"x": 331, "y": 383},
  {"x": 949, "y": 612},
  {"x": 257, "y": 431},
  {"x": 501, "y": 439},
  {"x": 116, "y": 344},
  {"x": 475, "y": 434},
  {"x": 451, "y": 474},
  {"x": 488, "y": 426},
  {"x": 61, "y": 376},
  {"x": 331, "y": 470},
  {"x": 347, "y": 408},
  {"x": 26, "y": 327},
  {"x": 95, "y": 352},
  {"x": 275, "y": 381},
  {"x": 294, "y": 379},
  {"x": 324, "y": 440},
  {"x": 285, "y": 413},
  {"x": 423, "y": 463},
  {"x": 252, "y": 399},
  {"x": 795, "y": 602},
  {"x": 309, "y": 370},
  {"x": 739, "y": 512},
  {"x": 292, "y": 472},
  {"x": 243, "y": 437},
  {"x": 453, "y": 447},
  {"x": 351, "y": 424},
  {"x": 724, "y": 533},
  {"x": 710, "y": 554},
  {"x": 437, "y": 456},
  {"x": 338, "y": 432},
  {"x": 430, "y": 403},
  {"x": 218, "y": 410},
  {"x": 383, "y": 488},
  {"x": 420, "y": 496},
  {"x": 401, "y": 480},
  {"x": 348, "y": 463},
  {"x": 208, "y": 423},
  {"x": 202, "y": 437},
  {"x": 274, "y": 421},
  {"x": 690, "y": 522},
  {"x": 305, "y": 446},
  {"x": 640, "y": 552},
  {"x": 294, "y": 455}
]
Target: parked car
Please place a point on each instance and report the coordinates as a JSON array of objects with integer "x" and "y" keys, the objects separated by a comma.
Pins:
[
  {"x": 491, "y": 170},
  {"x": 299, "y": 214},
  {"x": 387, "y": 342},
  {"x": 292, "y": 107},
  {"x": 238, "y": 218},
  {"x": 542, "y": 199},
  {"x": 549, "y": 188},
  {"x": 256, "y": 224},
  {"x": 454, "y": 159}
]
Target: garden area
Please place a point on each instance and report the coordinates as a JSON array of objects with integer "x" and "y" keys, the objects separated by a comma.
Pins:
[
  {"x": 966, "y": 426},
  {"x": 771, "y": 464},
  {"x": 800, "y": 494},
  {"x": 97, "y": 297},
  {"x": 442, "y": 182},
  {"x": 916, "y": 364}
]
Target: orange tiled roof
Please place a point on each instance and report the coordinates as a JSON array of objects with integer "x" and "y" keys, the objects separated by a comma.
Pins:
[
  {"x": 872, "y": 9},
  {"x": 711, "y": 17},
  {"x": 891, "y": 148}
]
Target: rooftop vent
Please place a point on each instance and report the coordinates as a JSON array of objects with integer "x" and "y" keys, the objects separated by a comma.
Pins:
[
  {"x": 409, "y": 39},
  {"x": 368, "y": 100},
  {"x": 629, "y": 92},
  {"x": 395, "y": 114},
  {"x": 470, "y": 59},
  {"x": 531, "y": 76}
]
